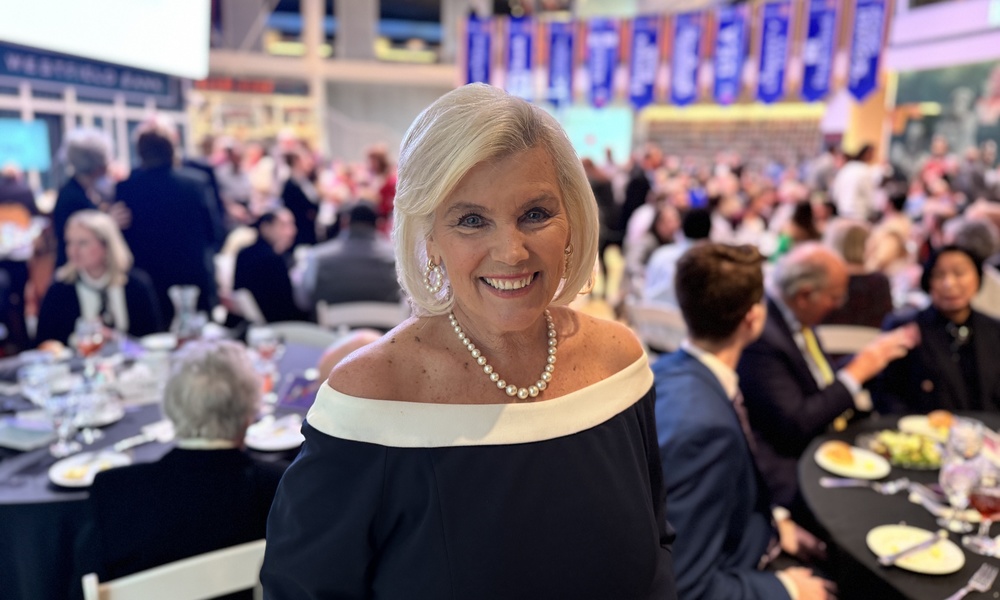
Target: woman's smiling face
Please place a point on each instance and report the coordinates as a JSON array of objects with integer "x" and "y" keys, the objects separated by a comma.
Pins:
[{"x": 501, "y": 236}]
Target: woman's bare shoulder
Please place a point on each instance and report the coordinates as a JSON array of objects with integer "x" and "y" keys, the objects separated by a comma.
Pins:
[
  {"x": 608, "y": 345},
  {"x": 387, "y": 369}
]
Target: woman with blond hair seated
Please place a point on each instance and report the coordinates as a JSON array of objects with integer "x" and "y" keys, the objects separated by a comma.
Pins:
[{"x": 98, "y": 282}]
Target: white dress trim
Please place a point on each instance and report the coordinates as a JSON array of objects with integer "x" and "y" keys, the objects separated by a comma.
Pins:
[{"x": 424, "y": 425}]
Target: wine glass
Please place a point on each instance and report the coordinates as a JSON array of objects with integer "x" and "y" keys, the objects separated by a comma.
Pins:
[
  {"x": 985, "y": 498},
  {"x": 62, "y": 411},
  {"x": 34, "y": 382},
  {"x": 88, "y": 336},
  {"x": 267, "y": 349},
  {"x": 957, "y": 477},
  {"x": 965, "y": 438}
]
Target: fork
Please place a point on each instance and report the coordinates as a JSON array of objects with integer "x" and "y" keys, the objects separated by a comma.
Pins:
[
  {"x": 887, "y": 489},
  {"x": 982, "y": 580}
]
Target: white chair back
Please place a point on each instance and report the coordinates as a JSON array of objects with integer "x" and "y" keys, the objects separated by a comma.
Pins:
[
  {"x": 247, "y": 306},
  {"x": 845, "y": 339},
  {"x": 303, "y": 333},
  {"x": 660, "y": 326},
  {"x": 204, "y": 576},
  {"x": 381, "y": 315}
]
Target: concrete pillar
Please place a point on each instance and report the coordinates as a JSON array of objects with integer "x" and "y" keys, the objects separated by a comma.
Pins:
[
  {"x": 243, "y": 23},
  {"x": 313, "y": 36},
  {"x": 357, "y": 28}
]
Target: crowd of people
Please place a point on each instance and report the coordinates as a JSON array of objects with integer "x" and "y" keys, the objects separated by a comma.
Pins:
[
  {"x": 596, "y": 475},
  {"x": 235, "y": 218}
]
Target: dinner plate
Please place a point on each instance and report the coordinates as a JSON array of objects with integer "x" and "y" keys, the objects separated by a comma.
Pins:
[
  {"x": 111, "y": 413},
  {"x": 921, "y": 425},
  {"x": 866, "y": 465},
  {"x": 272, "y": 435},
  {"x": 79, "y": 470},
  {"x": 942, "y": 558}
]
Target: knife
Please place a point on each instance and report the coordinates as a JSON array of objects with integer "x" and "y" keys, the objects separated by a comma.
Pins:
[{"x": 890, "y": 559}]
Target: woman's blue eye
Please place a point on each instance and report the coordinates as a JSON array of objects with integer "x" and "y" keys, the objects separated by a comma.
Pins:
[
  {"x": 470, "y": 220},
  {"x": 536, "y": 214}
]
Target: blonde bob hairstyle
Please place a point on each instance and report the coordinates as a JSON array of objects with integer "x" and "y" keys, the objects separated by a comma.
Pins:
[
  {"x": 118, "y": 258},
  {"x": 468, "y": 126}
]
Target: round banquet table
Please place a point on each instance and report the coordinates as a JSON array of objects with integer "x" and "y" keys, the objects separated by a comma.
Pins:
[
  {"x": 848, "y": 514},
  {"x": 47, "y": 533}
]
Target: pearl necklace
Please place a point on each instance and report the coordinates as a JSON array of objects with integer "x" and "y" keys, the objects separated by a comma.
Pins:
[{"x": 511, "y": 389}]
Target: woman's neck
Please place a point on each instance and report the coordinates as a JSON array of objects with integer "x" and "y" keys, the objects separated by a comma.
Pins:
[
  {"x": 506, "y": 344},
  {"x": 96, "y": 273}
]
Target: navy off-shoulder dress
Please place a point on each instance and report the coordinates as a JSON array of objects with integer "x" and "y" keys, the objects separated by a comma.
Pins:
[{"x": 562, "y": 498}]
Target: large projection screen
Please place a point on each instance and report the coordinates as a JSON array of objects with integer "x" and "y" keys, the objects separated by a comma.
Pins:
[{"x": 164, "y": 36}]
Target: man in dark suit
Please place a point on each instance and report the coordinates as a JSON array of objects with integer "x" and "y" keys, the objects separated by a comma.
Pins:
[
  {"x": 715, "y": 499},
  {"x": 204, "y": 495},
  {"x": 172, "y": 234},
  {"x": 358, "y": 266},
  {"x": 792, "y": 391},
  {"x": 640, "y": 182},
  {"x": 261, "y": 267}
]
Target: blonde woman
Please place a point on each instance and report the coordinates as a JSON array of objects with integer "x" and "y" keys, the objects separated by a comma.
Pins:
[
  {"x": 98, "y": 282},
  {"x": 455, "y": 457}
]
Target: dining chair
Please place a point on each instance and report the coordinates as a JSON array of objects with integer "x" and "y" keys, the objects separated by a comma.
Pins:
[
  {"x": 247, "y": 306},
  {"x": 302, "y": 332},
  {"x": 203, "y": 576},
  {"x": 845, "y": 339},
  {"x": 380, "y": 315},
  {"x": 661, "y": 327}
]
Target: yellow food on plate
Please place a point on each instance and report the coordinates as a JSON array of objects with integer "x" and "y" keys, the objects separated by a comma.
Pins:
[
  {"x": 940, "y": 419},
  {"x": 76, "y": 472},
  {"x": 839, "y": 453}
]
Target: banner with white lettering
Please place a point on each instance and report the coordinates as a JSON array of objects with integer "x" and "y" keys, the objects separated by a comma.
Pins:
[
  {"x": 773, "y": 51},
  {"x": 479, "y": 50},
  {"x": 817, "y": 54},
  {"x": 520, "y": 81},
  {"x": 866, "y": 47},
  {"x": 602, "y": 58},
  {"x": 687, "y": 58},
  {"x": 730, "y": 49},
  {"x": 560, "y": 63},
  {"x": 645, "y": 60}
]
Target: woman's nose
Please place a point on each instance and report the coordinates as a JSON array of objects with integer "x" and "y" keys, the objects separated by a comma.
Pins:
[{"x": 510, "y": 247}]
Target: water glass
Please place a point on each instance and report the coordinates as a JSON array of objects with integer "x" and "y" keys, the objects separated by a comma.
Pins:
[
  {"x": 965, "y": 438},
  {"x": 957, "y": 478},
  {"x": 62, "y": 411}
]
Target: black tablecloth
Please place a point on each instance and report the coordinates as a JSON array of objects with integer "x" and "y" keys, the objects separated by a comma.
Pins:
[
  {"x": 848, "y": 515},
  {"x": 46, "y": 532}
]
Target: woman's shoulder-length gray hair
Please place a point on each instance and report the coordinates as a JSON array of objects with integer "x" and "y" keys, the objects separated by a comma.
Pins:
[
  {"x": 87, "y": 150},
  {"x": 118, "y": 258},
  {"x": 213, "y": 391},
  {"x": 463, "y": 128}
]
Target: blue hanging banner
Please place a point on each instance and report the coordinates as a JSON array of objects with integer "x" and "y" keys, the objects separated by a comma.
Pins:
[
  {"x": 478, "y": 55},
  {"x": 687, "y": 57},
  {"x": 817, "y": 54},
  {"x": 730, "y": 48},
  {"x": 866, "y": 47},
  {"x": 773, "y": 51},
  {"x": 560, "y": 63},
  {"x": 520, "y": 81},
  {"x": 602, "y": 58},
  {"x": 645, "y": 60}
]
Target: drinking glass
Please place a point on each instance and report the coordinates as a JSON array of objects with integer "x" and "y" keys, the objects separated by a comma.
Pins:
[
  {"x": 985, "y": 498},
  {"x": 957, "y": 478},
  {"x": 266, "y": 347},
  {"x": 34, "y": 382},
  {"x": 965, "y": 438},
  {"x": 62, "y": 411}
]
